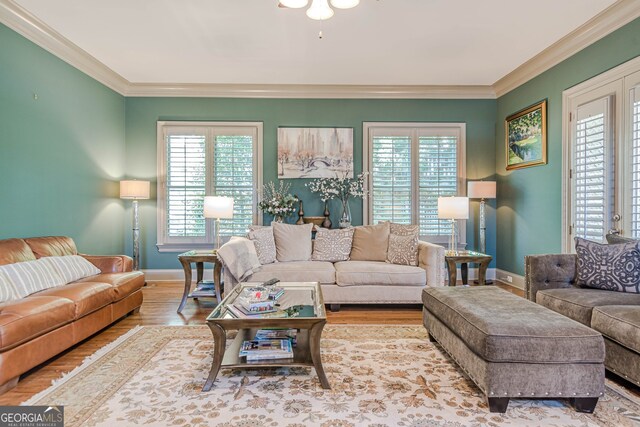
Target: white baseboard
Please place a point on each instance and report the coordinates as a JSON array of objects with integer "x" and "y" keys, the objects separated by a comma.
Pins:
[{"x": 517, "y": 281}]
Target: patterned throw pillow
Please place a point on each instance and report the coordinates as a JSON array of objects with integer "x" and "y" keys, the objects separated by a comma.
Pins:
[
  {"x": 404, "y": 229},
  {"x": 615, "y": 239},
  {"x": 264, "y": 242},
  {"x": 403, "y": 249},
  {"x": 29, "y": 277},
  {"x": 609, "y": 267},
  {"x": 71, "y": 267},
  {"x": 332, "y": 245}
]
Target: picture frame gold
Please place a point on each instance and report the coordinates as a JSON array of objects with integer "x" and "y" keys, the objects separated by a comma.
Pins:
[{"x": 526, "y": 137}]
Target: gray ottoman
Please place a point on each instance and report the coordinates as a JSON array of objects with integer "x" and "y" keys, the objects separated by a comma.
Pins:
[{"x": 513, "y": 348}]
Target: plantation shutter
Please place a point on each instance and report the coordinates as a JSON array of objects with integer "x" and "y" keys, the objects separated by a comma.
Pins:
[
  {"x": 233, "y": 176},
  {"x": 635, "y": 161},
  {"x": 592, "y": 170},
  {"x": 185, "y": 184},
  {"x": 391, "y": 176},
  {"x": 438, "y": 176}
]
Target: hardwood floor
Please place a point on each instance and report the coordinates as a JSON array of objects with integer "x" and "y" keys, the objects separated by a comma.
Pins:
[{"x": 161, "y": 300}]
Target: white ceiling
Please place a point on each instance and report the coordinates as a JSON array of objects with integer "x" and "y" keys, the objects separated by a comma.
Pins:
[{"x": 380, "y": 42}]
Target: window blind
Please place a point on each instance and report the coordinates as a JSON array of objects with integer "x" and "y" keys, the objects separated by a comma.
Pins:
[
  {"x": 391, "y": 179},
  {"x": 592, "y": 166},
  {"x": 233, "y": 177},
  {"x": 185, "y": 185},
  {"x": 438, "y": 176},
  {"x": 635, "y": 162}
]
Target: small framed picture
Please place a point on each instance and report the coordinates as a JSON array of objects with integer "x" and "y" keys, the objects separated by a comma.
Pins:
[{"x": 526, "y": 137}]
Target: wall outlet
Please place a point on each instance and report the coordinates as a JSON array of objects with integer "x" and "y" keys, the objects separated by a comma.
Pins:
[{"x": 509, "y": 279}]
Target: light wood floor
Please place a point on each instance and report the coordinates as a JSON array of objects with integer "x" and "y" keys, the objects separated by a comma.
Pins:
[{"x": 161, "y": 300}]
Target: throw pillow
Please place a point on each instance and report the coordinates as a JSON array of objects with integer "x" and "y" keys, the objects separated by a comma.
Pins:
[
  {"x": 332, "y": 245},
  {"x": 609, "y": 267},
  {"x": 71, "y": 267},
  {"x": 8, "y": 291},
  {"x": 404, "y": 229},
  {"x": 293, "y": 242},
  {"x": 370, "y": 242},
  {"x": 403, "y": 249},
  {"x": 264, "y": 242},
  {"x": 29, "y": 277},
  {"x": 614, "y": 239}
]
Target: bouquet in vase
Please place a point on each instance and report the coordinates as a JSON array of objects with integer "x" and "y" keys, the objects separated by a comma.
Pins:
[{"x": 277, "y": 201}]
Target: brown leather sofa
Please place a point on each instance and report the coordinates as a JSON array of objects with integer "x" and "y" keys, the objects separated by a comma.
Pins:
[{"x": 41, "y": 325}]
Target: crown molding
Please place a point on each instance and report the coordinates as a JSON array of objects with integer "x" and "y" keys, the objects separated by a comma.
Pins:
[
  {"x": 615, "y": 16},
  {"x": 31, "y": 27},
  {"x": 310, "y": 91}
]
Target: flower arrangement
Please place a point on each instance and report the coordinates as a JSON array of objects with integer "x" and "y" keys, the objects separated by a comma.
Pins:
[
  {"x": 277, "y": 201},
  {"x": 342, "y": 188}
]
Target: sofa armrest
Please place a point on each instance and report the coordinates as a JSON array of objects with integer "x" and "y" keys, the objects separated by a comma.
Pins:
[
  {"x": 548, "y": 272},
  {"x": 431, "y": 258},
  {"x": 110, "y": 263}
]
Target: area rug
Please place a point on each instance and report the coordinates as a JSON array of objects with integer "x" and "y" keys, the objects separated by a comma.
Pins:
[{"x": 380, "y": 376}]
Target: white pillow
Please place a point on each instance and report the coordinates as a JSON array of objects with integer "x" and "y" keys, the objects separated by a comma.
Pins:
[
  {"x": 71, "y": 267},
  {"x": 332, "y": 245},
  {"x": 262, "y": 238},
  {"x": 31, "y": 276},
  {"x": 293, "y": 242},
  {"x": 8, "y": 291}
]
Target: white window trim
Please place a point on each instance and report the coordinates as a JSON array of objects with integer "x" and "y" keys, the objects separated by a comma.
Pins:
[
  {"x": 161, "y": 242},
  {"x": 367, "y": 206},
  {"x": 570, "y": 99}
]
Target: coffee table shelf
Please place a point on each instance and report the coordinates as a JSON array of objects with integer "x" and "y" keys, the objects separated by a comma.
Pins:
[{"x": 301, "y": 354}]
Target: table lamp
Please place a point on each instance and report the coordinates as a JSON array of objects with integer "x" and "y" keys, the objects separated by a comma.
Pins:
[
  {"x": 218, "y": 207},
  {"x": 135, "y": 190},
  {"x": 453, "y": 208},
  {"x": 482, "y": 190}
]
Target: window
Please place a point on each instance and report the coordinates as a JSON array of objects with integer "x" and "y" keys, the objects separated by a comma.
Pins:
[
  {"x": 602, "y": 156},
  {"x": 196, "y": 159},
  {"x": 411, "y": 165}
]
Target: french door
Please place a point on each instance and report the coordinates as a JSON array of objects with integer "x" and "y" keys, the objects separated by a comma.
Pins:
[{"x": 602, "y": 167}]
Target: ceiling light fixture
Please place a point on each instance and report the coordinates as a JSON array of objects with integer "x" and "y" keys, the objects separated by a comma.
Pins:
[
  {"x": 319, "y": 9},
  {"x": 294, "y": 4}
]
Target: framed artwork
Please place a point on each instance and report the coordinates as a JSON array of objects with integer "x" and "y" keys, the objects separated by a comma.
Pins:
[
  {"x": 315, "y": 152},
  {"x": 526, "y": 137}
]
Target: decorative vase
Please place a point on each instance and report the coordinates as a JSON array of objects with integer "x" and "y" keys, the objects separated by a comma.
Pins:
[
  {"x": 345, "y": 218},
  {"x": 300, "y": 220},
  {"x": 327, "y": 222}
]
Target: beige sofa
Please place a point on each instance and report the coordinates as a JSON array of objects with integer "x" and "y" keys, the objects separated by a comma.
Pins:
[{"x": 360, "y": 282}]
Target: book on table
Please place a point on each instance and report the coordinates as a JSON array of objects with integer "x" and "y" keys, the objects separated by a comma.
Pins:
[
  {"x": 277, "y": 334},
  {"x": 266, "y": 349}
]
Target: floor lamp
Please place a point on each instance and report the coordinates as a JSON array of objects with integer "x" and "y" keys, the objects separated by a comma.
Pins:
[
  {"x": 453, "y": 208},
  {"x": 135, "y": 190},
  {"x": 218, "y": 207},
  {"x": 482, "y": 190}
]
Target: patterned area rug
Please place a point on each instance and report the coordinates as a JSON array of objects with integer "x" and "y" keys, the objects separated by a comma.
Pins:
[{"x": 380, "y": 376}]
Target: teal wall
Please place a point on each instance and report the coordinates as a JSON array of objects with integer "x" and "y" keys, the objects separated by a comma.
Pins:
[
  {"x": 143, "y": 113},
  {"x": 529, "y": 200},
  {"x": 60, "y": 154}
]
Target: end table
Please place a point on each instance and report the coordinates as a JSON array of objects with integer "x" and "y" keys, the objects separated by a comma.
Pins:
[
  {"x": 463, "y": 258},
  {"x": 199, "y": 258}
]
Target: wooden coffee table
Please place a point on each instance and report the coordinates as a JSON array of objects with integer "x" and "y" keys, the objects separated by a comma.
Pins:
[{"x": 309, "y": 324}]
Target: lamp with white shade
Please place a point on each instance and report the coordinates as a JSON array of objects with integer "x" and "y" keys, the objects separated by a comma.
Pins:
[
  {"x": 218, "y": 207},
  {"x": 453, "y": 208},
  {"x": 135, "y": 190},
  {"x": 482, "y": 190}
]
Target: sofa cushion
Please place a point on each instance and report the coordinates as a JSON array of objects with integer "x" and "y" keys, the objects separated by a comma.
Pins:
[
  {"x": 403, "y": 250},
  {"x": 501, "y": 327},
  {"x": 263, "y": 240},
  {"x": 87, "y": 297},
  {"x": 52, "y": 246},
  {"x": 370, "y": 242},
  {"x": 578, "y": 303},
  {"x": 31, "y": 276},
  {"x": 332, "y": 245},
  {"x": 15, "y": 250},
  {"x": 296, "y": 271},
  {"x": 293, "y": 242},
  {"x": 363, "y": 273},
  {"x": 621, "y": 323},
  {"x": 30, "y": 317},
  {"x": 71, "y": 267},
  {"x": 123, "y": 284},
  {"x": 610, "y": 267}
]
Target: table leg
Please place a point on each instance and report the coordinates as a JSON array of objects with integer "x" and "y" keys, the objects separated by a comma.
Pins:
[
  {"x": 200, "y": 271},
  {"x": 453, "y": 275},
  {"x": 314, "y": 348},
  {"x": 186, "y": 266},
  {"x": 219, "y": 344},
  {"x": 482, "y": 272},
  {"x": 217, "y": 272},
  {"x": 464, "y": 270}
]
